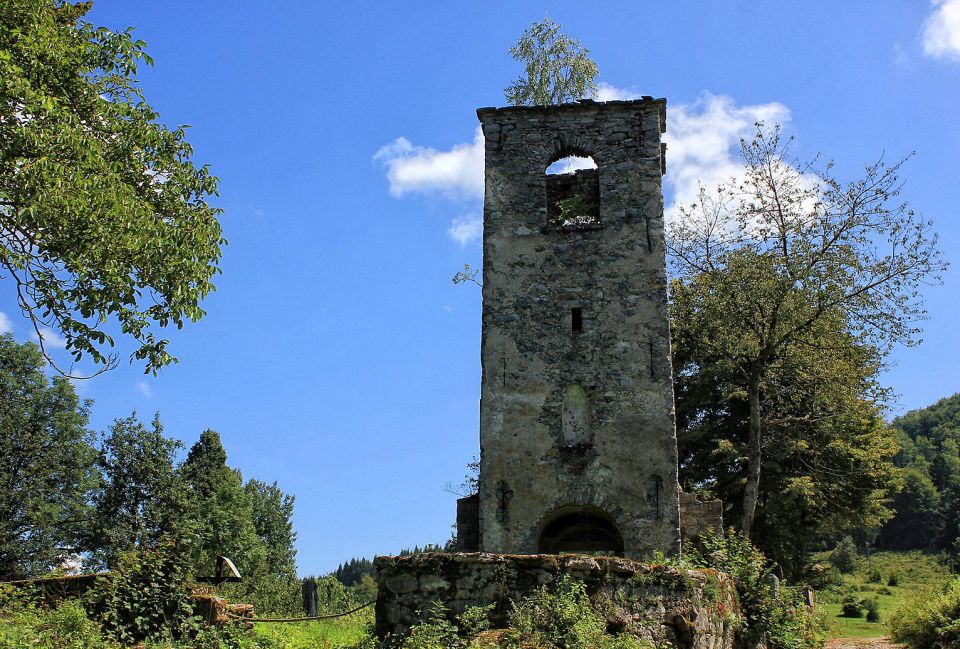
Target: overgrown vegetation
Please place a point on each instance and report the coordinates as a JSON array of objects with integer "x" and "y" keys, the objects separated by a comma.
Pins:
[
  {"x": 929, "y": 620},
  {"x": 862, "y": 603}
]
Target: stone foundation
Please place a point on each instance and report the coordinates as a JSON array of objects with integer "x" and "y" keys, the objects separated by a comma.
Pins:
[{"x": 686, "y": 609}]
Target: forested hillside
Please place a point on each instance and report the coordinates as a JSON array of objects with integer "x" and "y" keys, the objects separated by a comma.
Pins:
[{"x": 928, "y": 507}]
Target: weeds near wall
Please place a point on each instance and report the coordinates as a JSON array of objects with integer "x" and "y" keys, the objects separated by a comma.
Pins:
[{"x": 774, "y": 613}]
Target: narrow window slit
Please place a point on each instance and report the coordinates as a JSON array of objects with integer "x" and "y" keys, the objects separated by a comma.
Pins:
[
  {"x": 576, "y": 319},
  {"x": 653, "y": 374}
]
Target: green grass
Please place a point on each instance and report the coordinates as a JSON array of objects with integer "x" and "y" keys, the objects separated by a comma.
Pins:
[
  {"x": 321, "y": 634},
  {"x": 916, "y": 573}
]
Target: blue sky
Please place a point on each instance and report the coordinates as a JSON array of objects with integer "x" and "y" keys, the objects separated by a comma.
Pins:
[{"x": 337, "y": 357}]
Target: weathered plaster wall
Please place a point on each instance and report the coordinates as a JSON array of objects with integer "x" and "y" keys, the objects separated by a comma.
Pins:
[
  {"x": 686, "y": 609},
  {"x": 617, "y": 456}
]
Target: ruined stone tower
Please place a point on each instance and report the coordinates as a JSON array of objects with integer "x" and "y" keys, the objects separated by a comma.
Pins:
[{"x": 577, "y": 433}]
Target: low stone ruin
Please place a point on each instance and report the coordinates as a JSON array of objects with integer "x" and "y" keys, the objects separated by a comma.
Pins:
[{"x": 665, "y": 606}]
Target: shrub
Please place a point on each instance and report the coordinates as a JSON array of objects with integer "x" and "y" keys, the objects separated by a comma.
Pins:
[
  {"x": 145, "y": 597},
  {"x": 875, "y": 577},
  {"x": 872, "y": 607},
  {"x": 435, "y": 632},
  {"x": 26, "y": 624},
  {"x": 929, "y": 622},
  {"x": 823, "y": 577},
  {"x": 564, "y": 618},
  {"x": 893, "y": 580},
  {"x": 845, "y": 556},
  {"x": 782, "y": 621},
  {"x": 851, "y": 607},
  {"x": 270, "y": 595}
]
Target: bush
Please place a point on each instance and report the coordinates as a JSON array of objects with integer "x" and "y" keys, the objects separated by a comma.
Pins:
[
  {"x": 270, "y": 595},
  {"x": 564, "y": 618},
  {"x": 26, "y": 624},
  {"x": 438, "y": 632},
  {"x": 845, "y": 556},
  {"x": 851, "y": 607},
  {"x": 875, "y": 577},
  {"x": 929, "y": 621},
  {"x": 872, "y": 607},
  {"x": 782, "y": 621},
  {"x": 893, "y": 580},
  {"x": 823, "y": 577},
  {"x": 146, "y": 597}
]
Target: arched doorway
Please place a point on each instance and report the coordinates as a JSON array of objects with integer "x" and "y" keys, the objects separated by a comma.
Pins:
[{"x": 580, "y": 530}]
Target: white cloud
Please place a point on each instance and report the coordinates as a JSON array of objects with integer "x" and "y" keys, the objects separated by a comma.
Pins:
[
  {"x": 457, "y": 173},
  {"x": 144, "y": 388},
  {"x": 941, "y": 31},
  {"x": 703, "y": 140},
  {"x": 466, "y": 228},
  {"x": 703, "y": 145},
  {"x": 51, "y": 339},
  {"x": 5, "y": 325},
  {"x": 570, "y": 164},
  {"x": 606, "y": 92}
]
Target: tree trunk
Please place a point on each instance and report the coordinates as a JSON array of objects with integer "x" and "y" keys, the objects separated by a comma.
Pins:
[{"x": 752, "y": 489}]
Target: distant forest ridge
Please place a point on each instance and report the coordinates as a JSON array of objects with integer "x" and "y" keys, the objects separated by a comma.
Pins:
[{"x": 928, "y": 507}]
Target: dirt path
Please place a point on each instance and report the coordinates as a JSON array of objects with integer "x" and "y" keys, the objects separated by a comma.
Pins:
[{"x": 862, "y": 643}]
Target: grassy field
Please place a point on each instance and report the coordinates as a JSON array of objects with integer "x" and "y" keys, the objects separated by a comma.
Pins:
[
  {"x": 322, "y": 634},
  {"x": 914, "y": 573}
]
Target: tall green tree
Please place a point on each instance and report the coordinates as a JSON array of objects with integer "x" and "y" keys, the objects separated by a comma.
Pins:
[
  {"x": 105, "y": 221},
  {"x": 557, "y": 68},
  {"x": 827, "y": 451},
  {"x": 140, "y": 498},
  {"x": 222, "y": 510},
  {"x": 272, "y": 520},
  {"x": 46, "y": 464},
  {"x": 769, "y": 264}
]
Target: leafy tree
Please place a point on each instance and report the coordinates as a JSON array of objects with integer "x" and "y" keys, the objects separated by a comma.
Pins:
[
  {"x": 827, "y": 451},
  {"x": 558, "y": 69},
  {"x": 845, "y": 556},
  {"x": 771, "y": 265},
  {"x": 221, "y": 509},
  {"x": 140, "y": 498},
  {"x": 46, "y": 462},
  {"x": 104, "y": 218},
  {"x": 272, "y": 513}
]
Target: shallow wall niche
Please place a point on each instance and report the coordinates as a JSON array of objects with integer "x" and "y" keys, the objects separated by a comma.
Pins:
[
  {"x": 575, "y": 417},
  {"x": 582, "y": 530}
]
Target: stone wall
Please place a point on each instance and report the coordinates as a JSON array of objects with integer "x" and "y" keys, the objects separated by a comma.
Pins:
[
  {"x": 686, "y": 609},
  {"x": 577, "y": 425},
  {"x": 698, "y": 514}
]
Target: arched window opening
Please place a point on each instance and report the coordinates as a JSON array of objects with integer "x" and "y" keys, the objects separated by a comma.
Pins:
[
  {"x": 581, "y": 531},
  {"x": 573, "y": 192}
]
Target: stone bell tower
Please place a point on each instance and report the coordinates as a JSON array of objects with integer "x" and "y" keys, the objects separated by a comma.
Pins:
[{"x": 577, "y": 433}]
